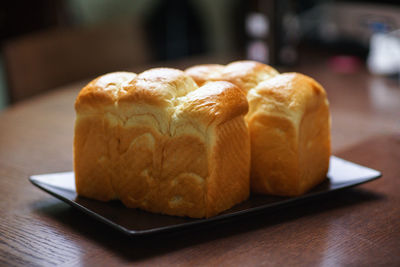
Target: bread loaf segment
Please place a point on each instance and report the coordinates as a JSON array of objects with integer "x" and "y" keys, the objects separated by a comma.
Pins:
[
  {"x": 216, "y": 110},
  {"x": 153, "y": 144},
  {"x": 289, "y": 125},
  {"x": 95, "y": 125},
  {"x": 290, "y": 134}
]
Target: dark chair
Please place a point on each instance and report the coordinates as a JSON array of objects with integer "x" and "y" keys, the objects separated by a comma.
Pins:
[{"x": 52, "y": 58}]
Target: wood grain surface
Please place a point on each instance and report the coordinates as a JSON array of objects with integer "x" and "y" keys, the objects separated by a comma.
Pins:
[{"x": 356, "y": 227}]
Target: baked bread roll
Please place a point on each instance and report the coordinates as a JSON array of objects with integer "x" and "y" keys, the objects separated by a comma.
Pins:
[
  {"x": 158, "y": 142},
  {"x": 289, "y": 124}
]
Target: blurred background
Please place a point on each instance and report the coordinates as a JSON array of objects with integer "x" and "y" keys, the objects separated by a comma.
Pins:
[{"x": 46, "y": 44}]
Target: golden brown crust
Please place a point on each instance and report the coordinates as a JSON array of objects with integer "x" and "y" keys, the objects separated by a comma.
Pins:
[
  {"x": 221, "y": 101},
  {"x": 104, "y": 90},
  {"x": 228, "y": 164},
  {"x": 289, "y": 125},
  {"x": 159, "y": 86},
  {"x": 244, "y": 74},
  {"x": 154, "y": 142},
  {"x": 205, "y": 73}
]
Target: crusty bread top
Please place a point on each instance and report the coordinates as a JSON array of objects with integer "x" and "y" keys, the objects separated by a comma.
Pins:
[
  {"x": 289, "y": 93},
  {"x": 103, "y": 90},
  {"x": 219, "y": 101},
  {"x": 170, "y": 90},
  {"x": 159, "y": 87},
  {"x": 292, "y": 94},
  {"x": 246, "y": 74}
]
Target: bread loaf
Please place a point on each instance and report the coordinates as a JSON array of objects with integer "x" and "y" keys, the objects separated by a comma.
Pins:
[
  {"x": 289, "y": 124},
  {"x": 158, "y": 142}
]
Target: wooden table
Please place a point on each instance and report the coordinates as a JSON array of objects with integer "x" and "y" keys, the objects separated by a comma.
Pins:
[{"x": 357, "y": 227}]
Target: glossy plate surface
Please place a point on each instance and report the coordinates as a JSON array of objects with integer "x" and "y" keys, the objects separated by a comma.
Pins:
[{"x": 342, "y": 174}]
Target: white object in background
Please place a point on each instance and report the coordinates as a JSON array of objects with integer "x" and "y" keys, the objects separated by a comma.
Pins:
[
  {"x": 257, "y": 25},
  {"x": 258, "y": 51},
  {"x": 384, "y": 55}
]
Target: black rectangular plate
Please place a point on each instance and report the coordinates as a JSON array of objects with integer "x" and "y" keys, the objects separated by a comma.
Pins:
[{"x": 342, "y": 174}]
